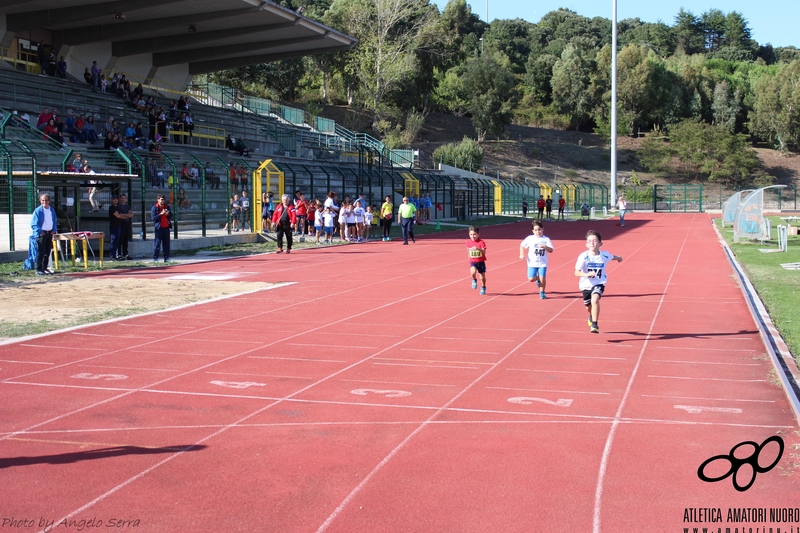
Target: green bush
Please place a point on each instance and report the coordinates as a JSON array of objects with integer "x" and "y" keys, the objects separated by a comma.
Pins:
[{"x": 467, "y": 154}]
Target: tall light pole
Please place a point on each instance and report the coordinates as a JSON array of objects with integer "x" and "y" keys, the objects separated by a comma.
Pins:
[{"x": 613, "y": 192}]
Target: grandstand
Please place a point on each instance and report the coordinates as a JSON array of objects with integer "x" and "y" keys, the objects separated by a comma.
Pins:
[{"x": 303, "y": 152}]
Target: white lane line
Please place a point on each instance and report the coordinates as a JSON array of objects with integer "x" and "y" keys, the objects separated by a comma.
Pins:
[
  {"x": 576, "y": 356},
  {"x": 584, "y": 344},
  {"x": 710, "y": 379},
  {"x": 396, "y": 382},
  {"x": 698, "y": 409},
  {"x": 601, "y": 474},
  {"x": 189, "y": 354},
  {"x": 260, "y": 375},
  {"x": 305, "y": 360},
  {"x": 704, "y": 398},
  {"x": 466, "y": 339},
  {"x": 61, "y": 347},
  {"x": 130, "y": 368},
  {"x": 550, "y": 390},
  {"x": 561, "y": 372},
  {"x": 472, "y": 328},
  {"x": 327, "y": 345},
  {"x": 427, "y": 365},
  {"x": 705, "y": 349},
  {"x": 446, "y": 351},
  {"x": 26, "y": 362},
  {"x": 627, "y": 421},
  {"x": 704, "y": 362}
]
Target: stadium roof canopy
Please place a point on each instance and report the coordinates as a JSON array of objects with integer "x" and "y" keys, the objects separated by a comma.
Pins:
[{"x": 208, "y": 35}]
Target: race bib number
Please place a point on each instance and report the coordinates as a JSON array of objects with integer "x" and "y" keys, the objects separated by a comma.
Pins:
[{"x": 475, "y": 253}]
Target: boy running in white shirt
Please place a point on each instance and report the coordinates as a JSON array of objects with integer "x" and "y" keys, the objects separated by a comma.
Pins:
[
  {"x": 591, "y": 268},
  {"x": 538, "y": 247}
]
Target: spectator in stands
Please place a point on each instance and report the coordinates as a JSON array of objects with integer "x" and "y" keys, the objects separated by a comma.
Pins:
[
  {"x": 77, "y": 163},
  {"x": 44, "y": 224},
  {"x": 52, "y": 64},
  {"x": 57, "y": 121},
  {"x": 188, "y": 122},
  {"x": 126, "y": 235},
  {"x": 95, "y": 77},
  {"x": 103, "y": 84},
  {"x": 70, "y": 129},
  {"x": 194, "y": 175},
  {"x": 51, "y": 130},
  {"x": 114, "y": 84},
  {"x": 80, "y": 125},
  {"x": 183, "y": 104},
  {"x": 138, "y": 91},
  {"x": 130, "y": 135},
  {"x": 173, "y": 110},
  {"x": 140, "y": 103},
  {"x": 177, "y": 130},
  {"x": 109, "y": 127},
  {"x": 42, "y": 53},
  {"x": 233, "y": 177},
  {"x": 211, "y": 176},
  {"x": 183, "y": 200},
  {"x": 89, "y": 133},
  {"x": 87, "y": 76},
  {"x": 242, "y": 176},
  {"x": 151, "y": 124},
  {"x": 161, "y": 215},
  {"x": 44, "y": 117},
  {"x": 61, "y": 68},
  {"x": 139, "y": 137},
  {"x": 236, "y": 145}
]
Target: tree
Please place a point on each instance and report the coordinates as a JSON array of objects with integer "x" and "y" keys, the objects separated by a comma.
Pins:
[
  {"x": 776, "y": 109},
  {"x": 570, "y": 84},
  {"x": 390, "y": 33},
  {"x": 702, "y": 150},
  {"x": 509, "y": 39},
  {"x": 689, "y": 32},
  {"x": 490, "y": 90},
  {"x": 467, "y": 154},
  {"x": 726, "y": 106}
]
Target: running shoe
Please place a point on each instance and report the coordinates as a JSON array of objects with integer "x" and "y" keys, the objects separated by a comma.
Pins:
[
  {"x": 594, "y": 328},
  {"x": 590, "y": 321},
  {"x": 474, "y": 284},
  {"x": 542, "y": 295},
  {"x": 483, "y": 290}
]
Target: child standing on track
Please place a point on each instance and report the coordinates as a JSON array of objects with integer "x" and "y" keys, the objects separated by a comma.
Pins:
[
  {"x": 477, "y": 258},
  {"x": 538, "y": 247},
  {"x": 591, "y": 268}
]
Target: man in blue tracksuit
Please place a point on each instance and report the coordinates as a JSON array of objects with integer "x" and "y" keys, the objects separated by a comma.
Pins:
[
  {"x": 161, "y": 215},
  {"x": 44, "y": 224}
]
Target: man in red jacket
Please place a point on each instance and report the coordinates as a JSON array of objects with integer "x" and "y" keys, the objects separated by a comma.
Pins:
[
  {"x": 540, "y": 206},
  {"x": 284, "y": 219}
]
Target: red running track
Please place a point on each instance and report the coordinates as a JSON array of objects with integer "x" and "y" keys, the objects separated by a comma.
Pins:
[{"x": 378, "y": 392}]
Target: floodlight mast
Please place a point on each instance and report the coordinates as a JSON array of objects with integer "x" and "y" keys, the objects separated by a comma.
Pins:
[{"x": 613, "y": 189}]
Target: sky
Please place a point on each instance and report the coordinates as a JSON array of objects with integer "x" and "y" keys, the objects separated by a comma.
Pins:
[{"x": 777, "y": 22}]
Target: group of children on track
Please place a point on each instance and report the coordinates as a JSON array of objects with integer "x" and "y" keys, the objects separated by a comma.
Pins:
[{"x": 590, "y": 266}]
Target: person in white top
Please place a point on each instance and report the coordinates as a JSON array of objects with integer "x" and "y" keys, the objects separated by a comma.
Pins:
[
  {"x": 358, "y": 216},
  {"x": 329, "y": 220},
  {"x": 622, "y": 205},
  {"x": 591, "y": 268},
  {"x": 538, "y": 246},
  {"x": 368, "y": 217}
]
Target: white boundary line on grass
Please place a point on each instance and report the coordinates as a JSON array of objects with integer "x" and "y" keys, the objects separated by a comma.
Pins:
[{"x": 782, "y": 359}]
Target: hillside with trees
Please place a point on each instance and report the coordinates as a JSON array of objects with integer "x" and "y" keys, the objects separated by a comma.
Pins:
[{"x": 702, "y": 91}]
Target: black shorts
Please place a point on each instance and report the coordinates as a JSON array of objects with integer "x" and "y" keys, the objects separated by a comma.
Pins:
[
  {"x": 351, "y": 225},
  {"x": 480, "y": 266},
  {"x": 587, "y": 294}
]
